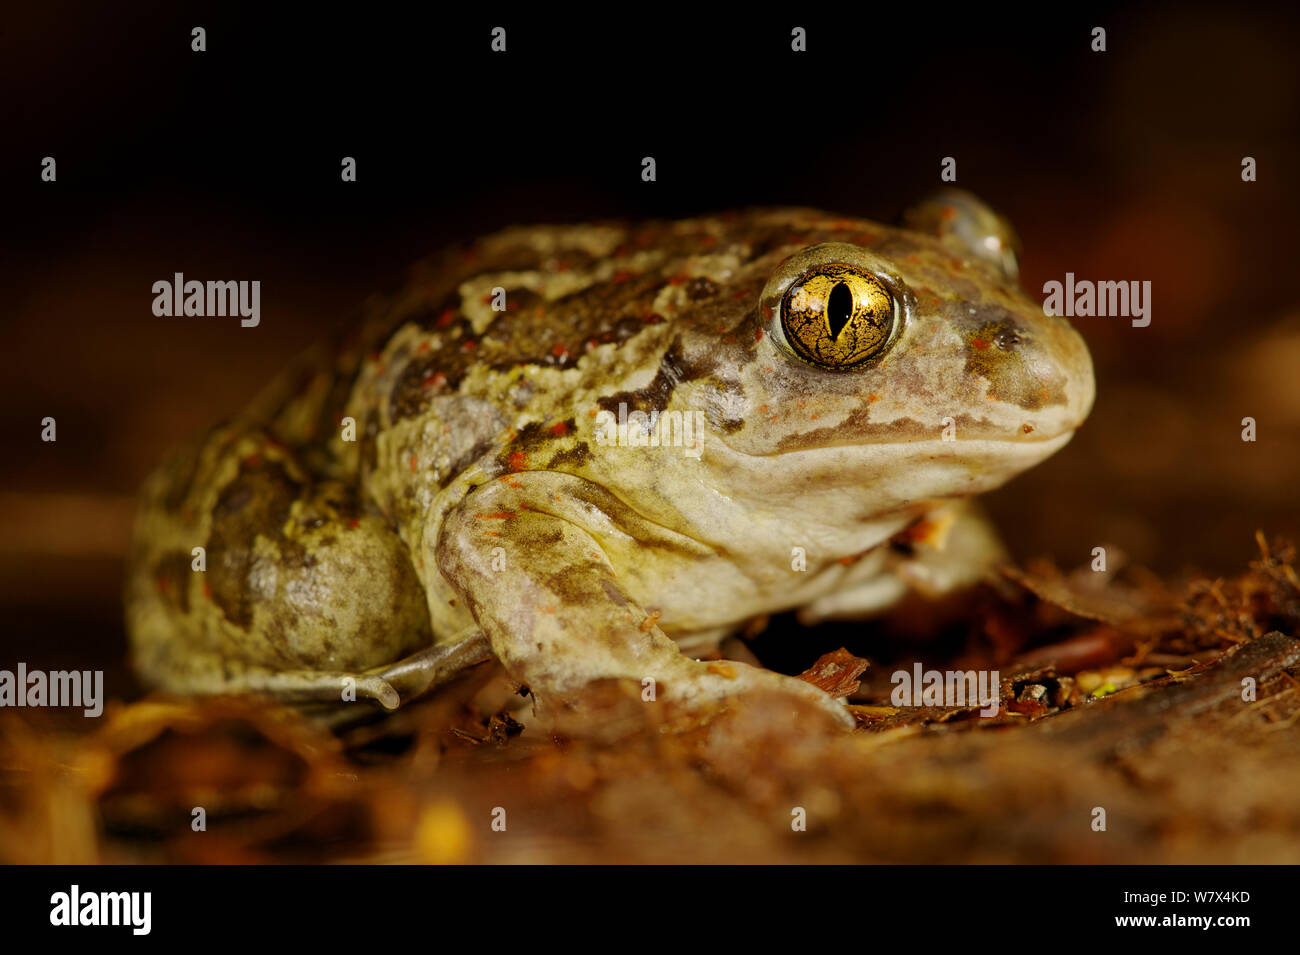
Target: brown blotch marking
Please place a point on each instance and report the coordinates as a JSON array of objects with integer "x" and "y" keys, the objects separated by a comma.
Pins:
[
  {"x": 532, "y": 437},
  {"x": 676, "y": 367},
  {"x": 575, "y": 457},
  {"x": 430, "y": 374},
  {"x": 256, "y": 502},
  {"x": 458, "y": 467},
  {"x": 992, "y": 354},
  {"x": 700, "y": 287},
  {"x": 654, "y": 396},
  {"x": 851, "y": 427},
  {"x": 558, "y": 333}
]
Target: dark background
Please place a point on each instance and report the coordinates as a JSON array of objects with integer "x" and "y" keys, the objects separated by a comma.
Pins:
[{"x": 225, "y": 164}]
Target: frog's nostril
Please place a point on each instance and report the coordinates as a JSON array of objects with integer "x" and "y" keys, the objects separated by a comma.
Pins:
[{"x": 1006, "y": 339}]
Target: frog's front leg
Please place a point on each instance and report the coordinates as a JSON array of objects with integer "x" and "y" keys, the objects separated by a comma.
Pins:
[
  {"x": 950, "y": 550},
  {"x": 531, "y": 556}
]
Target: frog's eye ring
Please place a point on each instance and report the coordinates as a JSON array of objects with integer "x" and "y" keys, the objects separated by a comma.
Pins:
[{"x": 838, "y": 316}]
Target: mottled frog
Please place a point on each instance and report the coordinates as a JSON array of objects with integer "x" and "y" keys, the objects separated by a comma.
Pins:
[{"x": 599, "y": 449}]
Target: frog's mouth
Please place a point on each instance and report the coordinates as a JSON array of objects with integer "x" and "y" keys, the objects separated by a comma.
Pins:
[
  {"x": 893, "y": 473},
  {"x": 1036, "y": 444}
]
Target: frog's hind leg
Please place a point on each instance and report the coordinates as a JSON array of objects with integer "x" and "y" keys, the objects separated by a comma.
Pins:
[
  {"x": 247, "y": 573},
  {"x": 389, "y": 685}
]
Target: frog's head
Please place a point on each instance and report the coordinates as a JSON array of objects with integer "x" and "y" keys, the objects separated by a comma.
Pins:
[{"x": 902, "y": 367}]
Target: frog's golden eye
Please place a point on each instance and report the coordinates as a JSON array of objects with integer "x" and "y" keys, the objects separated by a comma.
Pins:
[{"x": 837, "y": 316}]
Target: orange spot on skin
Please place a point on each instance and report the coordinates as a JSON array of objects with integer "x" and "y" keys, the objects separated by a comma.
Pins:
[
  {"x": 207, "y": 590},
  {"x": 496, "y": 516},
  {"x": 436, "y": 380},
  {"x": 593, "y": 412},
  {"x": 414, "y": 463},
  {"x": 649, "y": 622},
  {"x": 1028, "y": 429},
  {"x": 980, "y": 344},
  {"x": 722, "y": 670},
  {"x": 354, "y": 523},
  {"x": 491, "y": 534},
  {"x": 622, "y": 275},
  {"x": 949, "y": 213},
  {"x": 470, "y": 345},
  {"x": 560, "y": 430},
  {"x": 253, "y": 460},
  {"x": 559, "y": 351},
  {"x": 424, "y": 347},
  {"x": 774, "y": 418},
  {"x": 927, "y": 530},
  {"x": 758, "y": 335},
  {"x": 446, "y": 318},
  {"x": 763, "y": 408},
  {"x": 549, "y": 608},
  {"x": 518, "y": 460}
]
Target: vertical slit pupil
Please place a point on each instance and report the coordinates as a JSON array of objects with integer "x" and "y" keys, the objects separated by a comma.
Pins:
[{"x": 839, "y": 307}]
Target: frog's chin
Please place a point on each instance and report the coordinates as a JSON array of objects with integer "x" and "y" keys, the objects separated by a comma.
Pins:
[{"x": 975, "y": 465}]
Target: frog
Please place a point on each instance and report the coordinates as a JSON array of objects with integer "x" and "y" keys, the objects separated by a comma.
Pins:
[{"x": 595, "y": 451}]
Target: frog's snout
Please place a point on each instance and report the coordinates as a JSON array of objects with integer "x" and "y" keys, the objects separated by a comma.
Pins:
[
  {"x": 1066, "y": 350},
  {"x": 1037, "y": 374}
]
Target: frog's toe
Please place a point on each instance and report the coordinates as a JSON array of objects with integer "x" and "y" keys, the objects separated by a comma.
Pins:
[
  {"x": 730, "y": 678},
  {"x": 433, "y": 666}
]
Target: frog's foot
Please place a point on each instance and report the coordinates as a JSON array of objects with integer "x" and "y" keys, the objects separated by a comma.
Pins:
[
  {"x": 527, "y": 556},
  {"x": 207, "y": 675},
  {"x": 434, "y": 666},
  {"x": 953, "y": 548},
  {"x": 390, "y": 685}
]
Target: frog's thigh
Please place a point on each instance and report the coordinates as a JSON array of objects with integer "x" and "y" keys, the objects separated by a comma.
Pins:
[
  {"x": 526, "y": 556},
  {"x": 300, "y": 590},
  {"x": 964, "y": 551}
]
